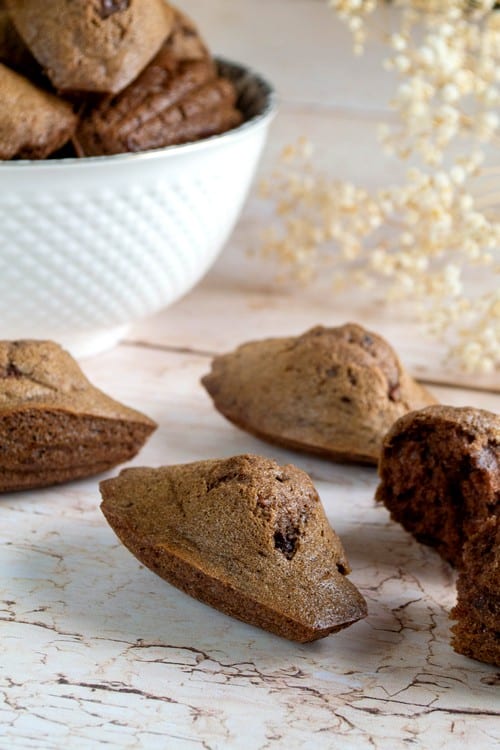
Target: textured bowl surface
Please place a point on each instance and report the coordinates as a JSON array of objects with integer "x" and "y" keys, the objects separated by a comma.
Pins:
[{"x": 88, "y": 246}]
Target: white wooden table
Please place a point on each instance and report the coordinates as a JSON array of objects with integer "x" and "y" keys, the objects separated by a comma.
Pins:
[{"x": 97, "y": 651}]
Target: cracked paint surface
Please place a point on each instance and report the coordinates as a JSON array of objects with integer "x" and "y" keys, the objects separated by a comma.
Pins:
[{"x": 95, "y": 649}]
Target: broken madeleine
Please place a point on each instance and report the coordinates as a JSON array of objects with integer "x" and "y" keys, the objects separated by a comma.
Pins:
[
  {"x": 440, "y": 475},
  {"x": 477, "y": 632}
]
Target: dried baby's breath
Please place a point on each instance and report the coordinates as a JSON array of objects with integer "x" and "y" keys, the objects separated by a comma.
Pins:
[{"x": 428, "y": 238}]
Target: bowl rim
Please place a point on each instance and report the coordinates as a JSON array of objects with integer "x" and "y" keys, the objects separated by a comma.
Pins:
[{"x": 265, "y": 114}]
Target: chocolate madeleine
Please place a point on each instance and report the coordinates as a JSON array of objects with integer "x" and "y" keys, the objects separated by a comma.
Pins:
[
  {"x": 331, "y": 391},
  {"x": 33, "y": 123},
  {"x": 92, "y": 46},
  {"x": 440, "y": 475},
  {"x": 243, "y": 535},
  {"x": 54, "y": 425},
  {"x": 477, "y": 632}
]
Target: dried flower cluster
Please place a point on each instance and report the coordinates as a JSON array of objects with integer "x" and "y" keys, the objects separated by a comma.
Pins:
[{"x": 432, "y": 237}]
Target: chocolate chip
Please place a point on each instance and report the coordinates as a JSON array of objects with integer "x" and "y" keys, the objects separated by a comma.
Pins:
[
  {"x": 286, "y": 543},
  {"x": 110, "y": 7},
  {"x": 352, "y": 377},
  {"x": 12, "y": 371}
]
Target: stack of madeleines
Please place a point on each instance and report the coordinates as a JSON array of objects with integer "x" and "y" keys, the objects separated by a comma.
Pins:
[{"x": 106, "y": 77}]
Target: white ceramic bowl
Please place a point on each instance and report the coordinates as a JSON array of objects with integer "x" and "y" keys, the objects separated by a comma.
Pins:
[{"x": 88, "y": 246}]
